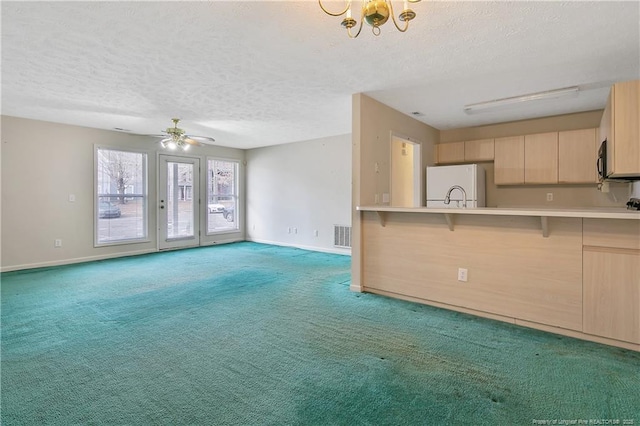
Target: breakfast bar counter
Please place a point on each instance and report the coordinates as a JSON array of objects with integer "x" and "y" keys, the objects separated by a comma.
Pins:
[
  {"x": 542, "y": 213},
  {"x": 580, "y": 280},
  {"x": 595, "y": 212}
]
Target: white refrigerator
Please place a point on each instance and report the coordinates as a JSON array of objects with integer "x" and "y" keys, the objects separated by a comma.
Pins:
[{"x": 466, "y": 180}]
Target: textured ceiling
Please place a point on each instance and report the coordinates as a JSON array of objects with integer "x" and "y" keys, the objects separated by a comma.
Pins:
[{"x": 253, "y": 74}]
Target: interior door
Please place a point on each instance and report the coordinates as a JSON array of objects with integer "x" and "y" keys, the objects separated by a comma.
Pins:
[
  {"x": 178, "y": 202},
  {"x": 406, "y": 173}
]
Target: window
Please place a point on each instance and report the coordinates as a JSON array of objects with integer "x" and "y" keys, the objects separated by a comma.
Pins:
[
  {"x": 222, "y": 195},
  {"x": 121, "y": 196}
]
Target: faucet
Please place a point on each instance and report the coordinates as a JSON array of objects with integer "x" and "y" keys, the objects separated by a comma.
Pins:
[{"x": 447, "y": 199}]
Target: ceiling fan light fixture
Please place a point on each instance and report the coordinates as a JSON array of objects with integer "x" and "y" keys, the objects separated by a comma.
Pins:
[{"x": 177, "y": 138}]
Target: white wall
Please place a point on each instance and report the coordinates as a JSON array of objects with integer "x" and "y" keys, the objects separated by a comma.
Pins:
[
  {"x": 43, "y": 163},
  {"x": 304, "y": 186}
]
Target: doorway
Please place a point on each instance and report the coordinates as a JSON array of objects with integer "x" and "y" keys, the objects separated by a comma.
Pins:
[
  {"x": 406, "y": 172},
  {"x": 178, "y": 202}
]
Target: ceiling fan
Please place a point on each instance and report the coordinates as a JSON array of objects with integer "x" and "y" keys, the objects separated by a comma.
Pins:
[{"x": 177, "y": 138}]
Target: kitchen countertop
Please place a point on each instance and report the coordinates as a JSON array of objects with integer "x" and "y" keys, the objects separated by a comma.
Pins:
[{"x": 594, "y": 213}]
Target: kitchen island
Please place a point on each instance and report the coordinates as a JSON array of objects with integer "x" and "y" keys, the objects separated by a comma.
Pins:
[{"x": 570, "y": 271}]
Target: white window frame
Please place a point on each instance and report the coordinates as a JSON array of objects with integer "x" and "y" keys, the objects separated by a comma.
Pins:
[
  {"x": 144, "y": 196},
  {"x": 236, "y": 195}
]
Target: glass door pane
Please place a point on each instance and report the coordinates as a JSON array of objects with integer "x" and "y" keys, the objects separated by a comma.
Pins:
[{"x": 178, "y": 202}]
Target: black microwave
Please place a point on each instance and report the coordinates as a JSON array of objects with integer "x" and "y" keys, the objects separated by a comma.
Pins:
[{"x": 601, "y": 163}]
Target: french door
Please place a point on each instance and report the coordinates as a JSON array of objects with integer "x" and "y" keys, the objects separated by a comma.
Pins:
[{"x": 178, "y": 202}]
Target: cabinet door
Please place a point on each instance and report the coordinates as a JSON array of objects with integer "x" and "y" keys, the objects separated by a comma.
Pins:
[
  {"x": 479, "y": 150},
  {"x": 509, "y": 161},
  {"x": 611, "y": 289},
  {"x": 577, "y": 156},
  {"x": 448, "y": 153},
  {"x": 625, "y": 139},
  {"x": 541, "y": 158}
]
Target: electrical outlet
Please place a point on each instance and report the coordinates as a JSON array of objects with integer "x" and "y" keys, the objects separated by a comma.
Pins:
[
  {"x": 295, "y": 230},
  {"x": 72, "y": 198},
  {"x": 549, "y": 196},
  {"x": 57, "y": 243},
  {"x": 385, "y": 197},
  {"x": 462, "y": 274},
  {"x": 315, "y": 233}
]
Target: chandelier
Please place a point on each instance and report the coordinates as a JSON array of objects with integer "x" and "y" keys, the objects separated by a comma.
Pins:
[{"x": 376, "y": 13}]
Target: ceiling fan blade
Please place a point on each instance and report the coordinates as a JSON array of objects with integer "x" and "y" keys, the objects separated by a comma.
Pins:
[
  {"x": 202, "y": 139},
  {"x": 191, "y": 141}
]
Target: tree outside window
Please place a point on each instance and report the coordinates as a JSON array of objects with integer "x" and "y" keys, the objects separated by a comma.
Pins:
[
  {"x": 121, "y": 189},
  {"x": 222, "y": 184}
]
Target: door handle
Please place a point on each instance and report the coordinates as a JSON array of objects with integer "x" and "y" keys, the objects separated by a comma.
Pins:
[{"x": 599, "y": 167}]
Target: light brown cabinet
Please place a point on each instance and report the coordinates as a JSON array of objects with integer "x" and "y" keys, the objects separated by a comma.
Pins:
[
  {"x": 611, "y": 278},
  {"x": 577, "y": 154},
  {"x": 541, "y": 158},
  {"x": 620, "y": 126},
  {"x": 546, "y": 158},
  {"x": 611, "y": 291},
  {"x": 450, "y": 153},
  {"x": 479, "y": 150},
  {"x": 509, "y": 161}
]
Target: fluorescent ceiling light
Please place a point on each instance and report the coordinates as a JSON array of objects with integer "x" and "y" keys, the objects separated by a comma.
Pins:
[{"x": 498, "y": 103}]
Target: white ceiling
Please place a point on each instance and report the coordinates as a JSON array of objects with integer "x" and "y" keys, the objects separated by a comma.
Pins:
[{"x": 253, "y": 74}]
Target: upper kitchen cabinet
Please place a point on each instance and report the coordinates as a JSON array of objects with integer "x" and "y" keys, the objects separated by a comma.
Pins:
[
  {"x": 577, "y": 154},
  {"x": 541, "y": 158},
  {"x": 620, "y": 127},
  {"x": 479, "y": 150},
  {"x": 509, "y": 161},
  {"x": 450, "y": 153}
]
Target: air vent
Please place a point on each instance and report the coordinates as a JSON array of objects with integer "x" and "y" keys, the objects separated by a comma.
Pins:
[{"x": 342, "y": 236}]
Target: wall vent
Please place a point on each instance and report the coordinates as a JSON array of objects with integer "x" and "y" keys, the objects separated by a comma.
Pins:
[{"x": 342, "y": 236}]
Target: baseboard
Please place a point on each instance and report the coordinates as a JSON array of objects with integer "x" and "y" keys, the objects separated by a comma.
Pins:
[
  {"x": 147, "y": 251},
  {"x": 75, "y": 260},
  {"x": 218, "y": 243},
  {"x": 355, "y": 288},
  {"x": 345, "y": 252}
]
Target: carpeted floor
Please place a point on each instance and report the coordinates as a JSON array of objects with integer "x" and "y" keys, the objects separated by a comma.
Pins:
[{"x": 246, "y": 333}]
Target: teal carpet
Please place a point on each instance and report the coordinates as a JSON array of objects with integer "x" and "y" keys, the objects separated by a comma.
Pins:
[{"x": 246, "y": 334}]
